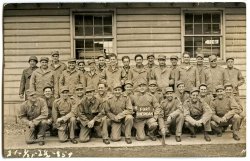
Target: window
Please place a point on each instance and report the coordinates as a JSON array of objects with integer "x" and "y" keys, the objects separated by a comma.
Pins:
[
  {"x": 93, "y": 35},
  {"x": 203, "y": 33}
]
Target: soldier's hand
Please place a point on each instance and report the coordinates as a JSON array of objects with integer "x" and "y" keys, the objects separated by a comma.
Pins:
[
  {"x": 223, "y": 120},
  {"x": 59, "y": 121},
  {"x": 31, "y": 125},
  {"x": 21, "y": 96},
  {"x": 169, "y": 119},
  {"x": 91, "y": 124},
  {"x": 135, "y": 108},
  {"x": 198, "y": 123},
  {"x": 49, "y": 121}
]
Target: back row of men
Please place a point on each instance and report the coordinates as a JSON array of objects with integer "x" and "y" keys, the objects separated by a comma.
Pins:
[{"x": 56, "y": 74}]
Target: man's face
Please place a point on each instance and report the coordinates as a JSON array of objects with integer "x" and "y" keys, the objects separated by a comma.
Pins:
[
  {"x": 101, "y": 89},
  {"x": 230, "y": 63},
  {"x": 117, "y": 92},
  {"x": 65, "y": 94},
  {"x": 90, "y": 94},
  {"x": 152, "y": 88},
  {"x": 138, "y": 61},
  {"x": 126, "y": 62},
  {"x": 81, "y": 66},
  {"x": 79, "y": 92},
  {"x": 181, "y": 88},
  {"x": 229, "y": 91},
  {"x": 128, "y": 88},
  {"x": 151, "y": 60},
  {"x": 47, "y": 92},
  {"x": 55, "y": 57},
  {"x": 203, "y": 90},
  {"x": 162, "y": 62},
  {"x": 174, "y": 62},
  {"x": 186, "y": 58},
  {"x": 142, "y": 88},
  {"x": 194, "y": 96},
  {"x": 44, "y": 64},
  {"x": 169, "y": 95},
  {"x": 92, "y": 66},
  {"x": 101, "y": 61},
  {"x": 71, "y": 65},
  {"x": 220, "y": 93},
  {"x": 213, "y": 63},
  {"x": 113, "y": 61},
  {"x": 32, "y": 63},
  {"x": 199, "y": 60},
  {"x": 32, "y": 97}
]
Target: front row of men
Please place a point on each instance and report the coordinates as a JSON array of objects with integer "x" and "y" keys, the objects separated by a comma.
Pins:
[{"x": 95, "y": 113}]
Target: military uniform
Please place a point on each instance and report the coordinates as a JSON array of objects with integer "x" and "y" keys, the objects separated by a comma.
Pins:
[
  {"x": 162, "y": 76},
  {"x": 136, "y": 74},
  {"x": 36, "y": 113},
  {"x": 182, "y": 96},
  {"x": 101, "y": 68},
  {"x": 208, "y": 99}
]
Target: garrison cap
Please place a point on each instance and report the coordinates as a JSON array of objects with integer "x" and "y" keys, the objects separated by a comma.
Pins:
[
  {"x": 200, "y": 55},
  {"x": 44, "y": 59},
  {"x": 174, "y": 57},
  {"x": 64, "y": 88},
  {"x": 179, "y": 82},
  {"x": 72, "y": 60},
  {"x": 91, "y": 61},
  {"x": 79, "y": 86},
  {"x": 212, "y": 57},
  {"x": 162, "y": 57},
  {"x": 54, "y": 53},
  {"x": 228, "y": 58},
  {"x": 33, "y": 58},
  {"x": 150, "y": 55},
  {"x": 128, "y": 82},
  {"x": 152, "y": 82},
  {"x": 203, "y": 84},
  {"x": 194, "y": 89},
  {"x": 228, "y": 85},
  {"x": 30, "y": 92},
  {"x": 90, "y": 88},
  {"x": 219, "y": 87},
  {"x": 117, "y": 85},
  {"x": 169, "y": 89}
]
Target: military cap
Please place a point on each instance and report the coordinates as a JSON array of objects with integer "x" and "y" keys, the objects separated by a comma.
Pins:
[
  {"x": 194, "y": 89},
  {"x": 80, "y": 61},
  {"x": 79, "y": 86},
  {"x": 117, "y": 85},
  {"x": 33, "y": 58},
  {"x": 219, "y": 87},
  {"x": 174, "y": 57},
  {"x": 212, "y": 57},
  {"x": 91, "y": 61},
  {"x": 152, "y": 82},
  {"x": 90, "y": 88},
  {"x": 64, "y": 88},
  {"x": 142, "y": 81},
  {"x": 203, "y": 84},
  {"x": 200, "y": 55},
  {"x": 44, "y": 59},
  {"x": 30, "y": 92},
  {"x": 162, "y": 57},
  {"x": 54, "y": 53},
  {"x": 169, "y": 89},
  {"x": 179, "y": 82},
  {"x": 228, "y": 58},
  {"x": 72, "y": 60},
  {"x": 149, "y": 55},
  {"x": 128, "y": 82},
  {"x": 228, "y": 85}
]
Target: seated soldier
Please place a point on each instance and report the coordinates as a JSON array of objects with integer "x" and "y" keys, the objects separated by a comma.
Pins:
[
  {"x": 197, "y": 113},
  {"x": 119, "y": 110},
  {"x": 181, "y": 92},
  {"x": 128, "y": 86},
  {"x": 146, "y": 109},
  {"x": 33, "y": 113},
  {"x": 204, "y": 95},
  {"x": 155, "y": 90},
  {"x": 79, "y": 93},
  {"x": 225, "y": 112},
  {"x": 91, "y": 114},
  {"x": 171, "y": 115},
  {"x": 63, "y": 114}
]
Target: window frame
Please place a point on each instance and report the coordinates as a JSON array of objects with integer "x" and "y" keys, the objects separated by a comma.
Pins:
[
  {"x": 74, "y": 12},
  {"x": 208, "y": 10}
]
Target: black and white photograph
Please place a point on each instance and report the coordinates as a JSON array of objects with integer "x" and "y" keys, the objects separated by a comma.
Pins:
[{"x": 124, "y": 79}]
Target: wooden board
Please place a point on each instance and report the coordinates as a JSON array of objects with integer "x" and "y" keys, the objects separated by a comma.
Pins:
[
  {"x": 37, "y": 19},
  {"x": 35, "y": 12},
  {"x": 160, "y": 24},
  {"x": 42, "y": 25},
  {"x": 171, "y": 43},
  {"x": 44, "y": 52},
  {"x": 19, "y": 39},
  {"x": 150, "y": 11},
  {"x": 146, "y": 49},
  {"x": 147, "y": 30},
  {"x": 149, "y": 37},
  {"x": 40, "y": 32},
  {"x": 37, "y": 45},
  {"x": 122, "y": 18}
]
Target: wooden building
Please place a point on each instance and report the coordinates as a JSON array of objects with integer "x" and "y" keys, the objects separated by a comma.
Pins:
[{"x": 88, "y": 29}]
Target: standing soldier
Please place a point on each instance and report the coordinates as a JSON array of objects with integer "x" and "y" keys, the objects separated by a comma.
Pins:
[
  {"x": 91, "y": 77},
  {"x": 180, "y": 93},
  {"x": 63, "y": 114},
  {"x": 42, "y": 77},
  {"x": 58, "y": 67},
  {"x": 113, "y": 74},
  {"x": 138, "y": 72},
  {"x": 81, "y": 64},
  {"x": 151, "y": 63},
  {"x": 197, "y": 114},
  {"x": 126, "y": 62},
  {"x": 188, "y": 73},
  {"x": 119, "y": 110},
  {"x": 204, "y": 95},
  {"x": 234, "y": 75},
  {"x": 71, "y": 77},
  {"x": 101, "y": 63},
  {"x": 201, "y": 68},
  {"x": 147, "y": 110},
  {"x": 215, "y": 75},
  {"x": 92, "y": 115},
  {"x": 33, "y": 113},
  {"x": 174, "y": 68},
  {"x": 25, "y": 79},
  {"x": 171, "y": 115},
  {"x": 155, "y": 91},
  {"x": 162, "y": 74},
  {"x": 225, "y": 112}
]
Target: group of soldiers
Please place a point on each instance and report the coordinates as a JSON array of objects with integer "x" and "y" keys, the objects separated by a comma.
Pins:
[{"x": 109, "y": 101}]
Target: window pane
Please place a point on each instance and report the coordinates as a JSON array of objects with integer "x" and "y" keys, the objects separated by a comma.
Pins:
[
  {"x": 216, "y": 51},
  {"x": 88, "y": 20},
  {"x": 207, "y": 18},
  {"x": 80, "y": 44},
  {"x": 197, "y": 18},
  {"x": 98, "y": 31},
  {"x": 188, "y": 18},
  {"x": 198, "y": 41},
  {"x": 98, "y": 20},
  {"x": 215, "y": 41},
  {"x": 78, "y": 20},
  {"x": 107, "y": 20},
  {"x": 197, "y": 28},
  {"x": 188, "y": 41},
  {"x": 216, "y": 28},
  {"x": 79, "y": 31},
  {"x": 216, "y": 18},
  {"x": 89, "y": 44},
  {"x": 107, "y": 30},
  {"x": 98, "y": 43},
  {"x": 190, "y": 49},
  {"x": 79, "y": 54},
  {"x": 189, "y": 29},
  {"x": 88, "y": 31},
  {"x": 206, "y": 28},
  {"x": 207, "y": 41},
  {"x": 108, "y": 46}
]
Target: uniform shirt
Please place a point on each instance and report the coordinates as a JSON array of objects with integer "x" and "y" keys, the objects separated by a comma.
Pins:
[
  {"x": 196, "y": 110},
  {"x": 40, "y": 79},
  {"x": 101, "y": 68},
  {"x": 91, "y": 78},
  {"x": 25, "y": 79},
  {"x": 173, "y": 73},
  {"x": 136, "y": 74},
  {"x": 118, "y": 106},
  {"x": 35, "y": 112},
  {"x": 126, "y": 69},
  {"x": 150, "y": 68},
  {"x": 158, "y": 95},
  {"x": 208, "y": 99},
  {"x": 71, "y": 79},
  {"x": 64, "y": 109},
  {"x": 170, "y": 108},
  {"x": 182, "y": 96},
  {"x": 235, "y": 77},
  {"x": 88, "y": 110},
  {"x": 113, "y": 76},
  {"x": 201, "y": 71},
  {"x": 49, "y": 102},
  {"x": 189, "y": 75},
  {"x": 162, "y": 76}
]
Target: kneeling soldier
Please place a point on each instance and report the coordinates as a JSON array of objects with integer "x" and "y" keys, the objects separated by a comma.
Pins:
[
  {"x": 63, "y": 114},
  {"x": 92, "y": 115},
  {"x": 119, "y": 109},
  {"x": 225, "y": 111},
  {"x": 197, "y": 114},
  {"x": 171, "y": 115},
  {"x": 34, "y": 113}
]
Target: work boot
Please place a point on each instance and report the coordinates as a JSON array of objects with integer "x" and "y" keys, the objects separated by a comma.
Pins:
[
  {"x": 178, "y": 138},
  {"x": 128, "y": 140},
  {"x": 106, "y": 141},
  {"x": 206, "y": 137},
  {"x": 153, "y": 138},
  {"x": 236, "y": 137},
  {"x": 74, "y": 141},
  {"x": 41, "y": 143}
]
